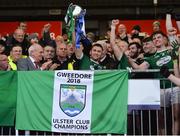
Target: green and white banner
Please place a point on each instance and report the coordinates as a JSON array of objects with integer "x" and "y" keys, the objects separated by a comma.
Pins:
[{"x": 72, "y": 101}]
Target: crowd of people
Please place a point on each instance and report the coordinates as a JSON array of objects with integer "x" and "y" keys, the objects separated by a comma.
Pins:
[{"x": 118, "y": 50}]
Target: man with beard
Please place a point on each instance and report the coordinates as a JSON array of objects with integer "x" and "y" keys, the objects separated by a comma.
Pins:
[{"x": 135, "y": 52}]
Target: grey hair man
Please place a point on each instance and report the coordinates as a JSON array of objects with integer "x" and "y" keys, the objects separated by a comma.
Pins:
[{"x": 33, "y": 61}]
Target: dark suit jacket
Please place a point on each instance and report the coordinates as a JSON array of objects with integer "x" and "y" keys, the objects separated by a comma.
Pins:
[{"x": 25, "y": 64}]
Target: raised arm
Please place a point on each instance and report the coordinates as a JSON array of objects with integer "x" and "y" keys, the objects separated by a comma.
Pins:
[
  {"x": 78, "y": 51},
  {"x": 168, "y": 22},
  {"x": 46, "y": 38},
  {"x": 117, "y": 51}
]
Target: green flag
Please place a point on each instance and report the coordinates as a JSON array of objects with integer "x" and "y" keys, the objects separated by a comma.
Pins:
[
  {"x": 73, "y": 101},
  {"x": 8, "y": 90}
]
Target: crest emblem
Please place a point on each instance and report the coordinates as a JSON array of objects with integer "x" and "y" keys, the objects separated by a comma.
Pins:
[
  {"x": 163, "y": 61},
  {"x": 72, "y": 99}
]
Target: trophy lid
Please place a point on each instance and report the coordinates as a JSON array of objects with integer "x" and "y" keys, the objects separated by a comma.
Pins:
[{"x": 76, "y": 10}]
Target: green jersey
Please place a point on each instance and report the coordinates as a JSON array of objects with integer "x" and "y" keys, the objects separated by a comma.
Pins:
[
  {"x": 123, "y": 63},
  {"x": 88, "y": 64},
  {"x": 157, "y": 60}
]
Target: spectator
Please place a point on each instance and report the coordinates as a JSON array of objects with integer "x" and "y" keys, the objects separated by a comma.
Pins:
[
  {"x": 46, "y": 37},
  {"x": 61, "y": 56},
  {"x": 4, "y": 63},
  {"x": 33, "y": 38},
  {"x": 64, "y": 35},
  {"x": 122, "y": 33},
  {"x": 91, "y": 36},
  {"x": 122, "y": 44},
  {"x": 106, "y": 61},
  {"x": 118, "y": 52},
  {"x": 32, "y": 62},
  {"x": 15, "y": 55},
  {"x": 70, "y": 50},
  {"x": 2, "y": 47},
  {"x": 18, "y": 37},
  {"x": 49, "y": 53},
  {"x": 156, "y": 26},
  {"x": 135, "y": 52},
  {"x": 135, "y": 30},
  {"x": 136, "y": 39},
  {"x": 62, "y": 59},
  {"x": 59, "y": 39},
  {"x": 107, "y": 35},
  {"x": 110, "y": 50},
  {"x": 23, "y": 25}
]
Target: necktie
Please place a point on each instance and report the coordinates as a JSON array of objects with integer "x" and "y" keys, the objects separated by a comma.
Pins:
[{"x": 36, "y": 65}]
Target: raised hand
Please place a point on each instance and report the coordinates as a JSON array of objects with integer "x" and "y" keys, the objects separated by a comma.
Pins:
[
  {"x": 175, "y": 45},
  {"x": 115, "y": 22},
  {"x": 175, "y": 51},
  {"x": 47, "y": 27}
]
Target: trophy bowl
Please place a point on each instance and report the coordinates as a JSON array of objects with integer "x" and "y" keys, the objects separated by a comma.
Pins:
[{"x": 76, "y": 10}]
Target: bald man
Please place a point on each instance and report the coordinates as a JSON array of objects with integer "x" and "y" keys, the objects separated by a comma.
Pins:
[
  {"x": 4, "y": 63},
  {"x": 18, "y": 37},
  {"x": 32, "y": 62}
]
